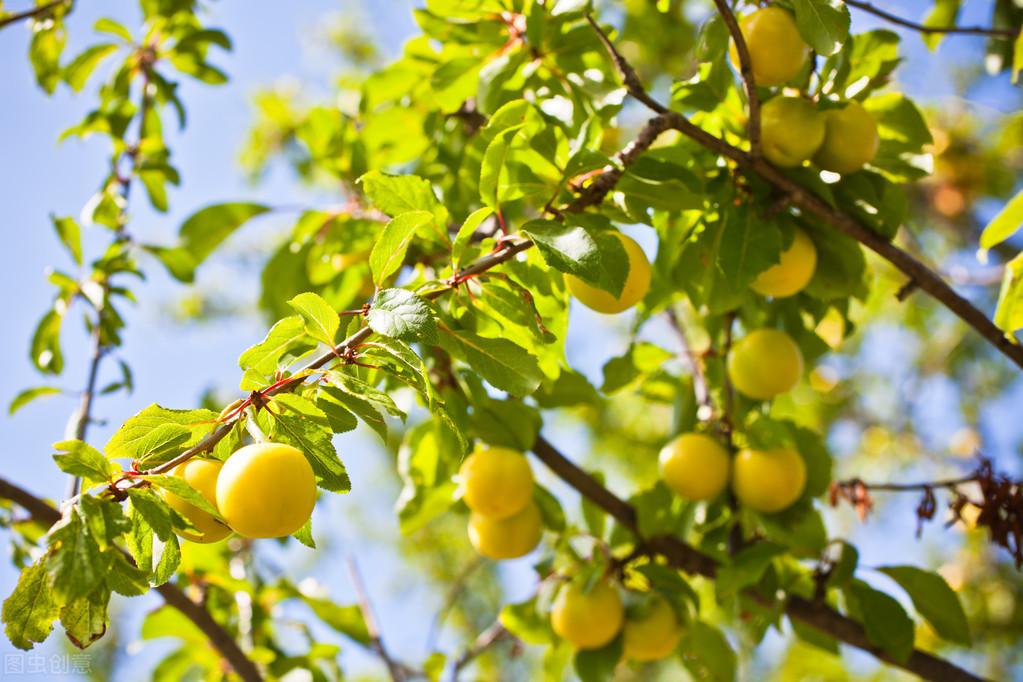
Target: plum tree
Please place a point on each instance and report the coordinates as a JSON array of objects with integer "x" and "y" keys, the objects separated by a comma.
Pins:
[
  {"x": 851, "y": 140},
  {"x": 768, "y": 480},
  {"x": 695, "y": 466},
  {"x": 776, "y": 48},
  {"x": 637, "y": 284},
  {"x": 765, "y": 363},
  {"x": 202, "y": 475},
  {"x": 792, "y": 130},
  {"x": 498, "y": 482},
  {"x": 793, "y": 271},
  {"x": 587, "y": 619},
  {"x": 266, "y": 490}
]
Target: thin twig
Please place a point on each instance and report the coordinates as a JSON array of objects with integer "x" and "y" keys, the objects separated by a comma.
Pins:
[
  {"x": 453, "y": 592},
  {"x": 689, "y": 559},
  {"x": 219, "y": 638},
  {"x": 748, "y": 79},
  {"x": 488, "y": 638},
  {"x": 701, "y": 390},
  {"x": 35, "y": 12},
  {"x": 83, "y": 415},
  {"x": 628, "y": 75},
  {"x": 971, "y": 30},
  {"x": 376, "y": 641}
]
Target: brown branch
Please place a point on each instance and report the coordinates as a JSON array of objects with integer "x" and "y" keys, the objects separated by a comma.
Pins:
[
  {"x": 746, "y": 70},
  {"x": 221, "y": 640},
  {"x": 35, "y": 12},
  {"x": 800, "y": 198},
  {"x": 488, "y": 638},
  {"x": 689, "y": 559},
  {"x": 970, "y": 30},
  {"x": 83, "y": 415},
  {"x": 628, "y": 75},
  {"x": 376, "y": 643}
]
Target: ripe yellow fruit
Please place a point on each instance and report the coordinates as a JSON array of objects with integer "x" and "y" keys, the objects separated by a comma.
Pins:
[
  {"x": 202, "y": 475},
  {"x": 765, "y": 363},
  {"x": 777, "y": 51},
  {"x": 636, "y": 284},
  {"x": 695, "y": 466},
  {"x": 507, "y": 538},
  {"x": 652, "y": 634},
  {"x": 792, "y": 273},
  {"x": 851, "y": 139},
  {"x": 791, "y": 130},
  {"x": 498, "y": 482},
  {"x": 266, "y": 490},
  {"x": 587, "y": 620},
  {"x": 768, "y": 480}
]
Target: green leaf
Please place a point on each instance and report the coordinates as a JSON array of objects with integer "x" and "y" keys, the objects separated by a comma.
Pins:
[
  {"x": 205, "y": 229},
  {"x": 525, "y": 621},
  {"x": 465, "y": 232},
  {"x": 126, "y": 579},
  {"x": 347, "y": 620},
  {"x": 1009, "y": 312},
  {"x": 286, "y": 341},
  {"x": 135, "y": 435},
  {"x": 45, "y": 349},
  {"x": 305, "y": 534},
  {"x": 943, "y": 15},
  {"x": 111, "y": 27},
  {"x": 81, "y": 459},
  {"x": 183, "y": 489},
  {"x": 572, "y": 249},
  {"x": 1002, "y": 226},
  {"x": 885, "y": 621},
  {"x": 76, "y": 565},
  {"x": 85, "y": 618},
  {"x": 397, "y": 194},
  {"x": 749, "y": 245},
  {"x": 427, "y": 460},
  {"x": 402, "y": 315},
  {"x": 503, "y": 364},
  {"x": 707, "y": 654},
  {"x": 81, "y": 67},
  {"x": 824, "y": 24},
  {"x": 70, "y": 236},
  {"x": 30, "y": 394},
  {"x": 29, "y": 612},
  {"x": 305, "y": 426},
  {"x": 510, "y": 423},
  {"x": 598, "y": 665},
  {"x": 178, "y": 261},
  {"x": 170, "y": 558},
  {"x": 746, "y": 568},
  {"x": 389, "y": 251},
  {"x": 934, "y": 600},
  {"x": 321, "y": 320},
  {"x": 1017, "y": 58}
]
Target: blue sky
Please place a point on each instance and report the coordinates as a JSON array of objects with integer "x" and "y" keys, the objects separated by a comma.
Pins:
[{"x": 174, "y": 363}]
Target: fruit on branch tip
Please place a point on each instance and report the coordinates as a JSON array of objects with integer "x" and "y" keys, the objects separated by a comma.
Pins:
[
  {"x": 850, "y": 140},
  {"x": 765, "y": 363},
  {"x": 637, "y": 284},
  {"x": 651, "y": 632},
  {"x": 498, "y": 482},
  {"x": 695, "y": 466},
  {"x": 266, "y": 490},
  {"x": 768, "y": 480},
  {"x": 791, "y": 130},
  {"x": 507, "y": 538},
  {"x": 202, "y": 475},
  {"x": 793, "y": 271},
  {"x": 587, "y": 620},
  {"x": 777, "y": 51}
]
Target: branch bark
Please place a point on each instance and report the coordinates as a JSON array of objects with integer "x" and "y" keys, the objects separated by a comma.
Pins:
[
  {"x": 220, "y": 638},
  {"x": 34, "y": 13},
  {"x": 691, "y": 560},
  {"x": 376, "y": 642},
  {"x": 746, "y": 71},
  {"x": 966, "y": 30}
]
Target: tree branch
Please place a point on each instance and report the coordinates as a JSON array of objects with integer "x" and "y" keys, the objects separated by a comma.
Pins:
[
  {"x": 971, "y": 30},
  {"x": 221, "y": 640},
  {"x": 376, "y": 642},
  {"x": 799, "y": 197},
  {"x": 691, "y": 560},
  {"x": 35, "y": 12},
  {"x": 488, "y": 638},
  {"x": 746, "y": 70}
]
